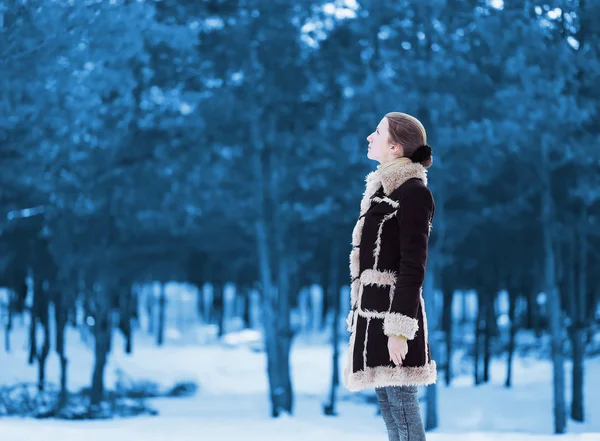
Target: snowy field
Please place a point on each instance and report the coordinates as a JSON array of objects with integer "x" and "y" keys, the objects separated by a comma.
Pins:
[{"x": 232, "y": 400}]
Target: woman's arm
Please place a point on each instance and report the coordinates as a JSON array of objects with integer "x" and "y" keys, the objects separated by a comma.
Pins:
[{"x": 414, "y": 216}]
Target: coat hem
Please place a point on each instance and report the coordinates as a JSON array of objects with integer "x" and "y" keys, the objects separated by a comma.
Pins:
[{"x": 383, "y": 376}]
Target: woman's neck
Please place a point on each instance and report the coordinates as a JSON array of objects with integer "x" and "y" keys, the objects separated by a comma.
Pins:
[{"x": 395, "y": 161}]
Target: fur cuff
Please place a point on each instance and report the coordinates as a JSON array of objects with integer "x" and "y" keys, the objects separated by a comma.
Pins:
[{"x": 400, "y": 324}]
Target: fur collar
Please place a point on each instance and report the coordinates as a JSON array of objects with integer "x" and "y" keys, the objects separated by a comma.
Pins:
[
  {"x": 393, "y": 177},
  {"x": 390, "y": 178}
]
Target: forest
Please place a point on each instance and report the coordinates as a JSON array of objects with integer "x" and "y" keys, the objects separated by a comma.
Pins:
[{"x": 221, "y": 144}]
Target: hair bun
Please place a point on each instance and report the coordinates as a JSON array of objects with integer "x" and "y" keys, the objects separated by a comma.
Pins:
[{"x": 423, "y": 153}]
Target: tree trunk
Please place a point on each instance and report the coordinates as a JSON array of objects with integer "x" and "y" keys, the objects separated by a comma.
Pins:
[
  {"x": 269, "y": 319},
  {"x": 102, "y": 330},
  {"x": 60, "y": 318},
  {"x": 334, "y": 295},
  {"x": 512, "y": 329},
  {"x": 42, "y": 313},
  {"x": 247, "y": 308},
  {"x": 476, "y": 349},
  {"x": 326, "y": 286},
  {"x": 200, "y": 301},
  {"x": 431, "y": 416},
  {"x": 447, "y": 320},
  {"x": 553, "y": 300},
  {"x": 432, "y": 274},
  {"x": 219, "y": 307},
  {"x": 579, "y": 328},
  {"x": 578, "y": 341},
  {"x": 534, "y": 312},
  {"x": 490, "y": 318},
  {"x": 162, "y": 302},
  {"x": 33, "y": 311},
  {"x": 534, "y": 321},
  {"x": 284, "y": 276},
  {"x": 585, "y": 311},
  {"x": 9, "y": 313},
  {"x": 150, "y": 300},
  {"x": 275, "y": 304},
  {"x": 126, "y": 310},
  {"x": 285, "y": 334}
]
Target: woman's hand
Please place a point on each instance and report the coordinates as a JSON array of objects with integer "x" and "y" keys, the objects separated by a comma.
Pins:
[{"x": 398, "y": 348}]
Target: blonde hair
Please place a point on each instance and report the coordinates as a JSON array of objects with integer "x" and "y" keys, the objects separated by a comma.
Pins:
[{"x": 407, "y": 131}]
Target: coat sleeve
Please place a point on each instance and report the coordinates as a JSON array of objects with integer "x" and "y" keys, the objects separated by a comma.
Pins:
[{"x": 414, "y": 218}]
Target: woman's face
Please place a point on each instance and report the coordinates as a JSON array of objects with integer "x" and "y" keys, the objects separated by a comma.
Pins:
[{"x": 379, "y": 147}]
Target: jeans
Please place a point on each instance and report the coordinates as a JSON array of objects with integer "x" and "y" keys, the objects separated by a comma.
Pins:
[{"x": 401, "y": 413}]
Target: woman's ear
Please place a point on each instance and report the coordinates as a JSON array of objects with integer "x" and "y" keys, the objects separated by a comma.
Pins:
[{"x": 396, "y": 148}]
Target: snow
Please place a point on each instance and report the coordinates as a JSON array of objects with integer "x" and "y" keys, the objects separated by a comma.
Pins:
[
  {"x": 243, "y": 420},
  {"x": 232, "y": 401}
]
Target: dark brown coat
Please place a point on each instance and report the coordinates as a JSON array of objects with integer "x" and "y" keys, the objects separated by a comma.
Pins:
[{"x": 387, "y": 267}]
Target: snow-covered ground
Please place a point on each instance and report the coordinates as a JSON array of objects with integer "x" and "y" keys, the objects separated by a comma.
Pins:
[{"x": 232, "y": 401}]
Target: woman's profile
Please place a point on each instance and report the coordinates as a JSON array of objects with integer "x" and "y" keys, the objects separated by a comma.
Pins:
[{"x": 389, "y": 347}]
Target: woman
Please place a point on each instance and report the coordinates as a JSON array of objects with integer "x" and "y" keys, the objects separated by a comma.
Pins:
[{"x": 389, "y": 347}]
